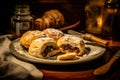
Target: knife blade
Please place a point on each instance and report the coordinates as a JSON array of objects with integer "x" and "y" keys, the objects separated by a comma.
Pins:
[{"x": 88, "y": 36}]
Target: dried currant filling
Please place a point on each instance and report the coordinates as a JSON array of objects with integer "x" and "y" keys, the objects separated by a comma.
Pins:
[
  {"x": 70, "y": 48},
  {"x": 47, "y": 50}
]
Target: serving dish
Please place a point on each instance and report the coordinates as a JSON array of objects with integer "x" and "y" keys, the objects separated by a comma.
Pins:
[{"x": 21, "y": 53}]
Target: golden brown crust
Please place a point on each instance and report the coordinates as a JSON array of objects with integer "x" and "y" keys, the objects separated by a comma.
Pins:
[
  {"x": 50, "y": 19},
  {"x": 29, "y": 36},
  {"x": 53, "y": 33},
  {"x": 39, "y": 24},
  {"x": 38, "y": 46},
  {"x": 68, "y": 56},
  {"x": 57, "y": 15},
  {"x": 69, "y": 43}
]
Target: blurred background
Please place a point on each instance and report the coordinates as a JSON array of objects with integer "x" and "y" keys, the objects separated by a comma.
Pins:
[
  {"x": 73, "y": 10},
  {"x": 92, "y": 14}
]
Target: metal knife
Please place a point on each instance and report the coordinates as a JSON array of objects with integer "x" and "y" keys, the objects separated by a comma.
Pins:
[{"x": 88, "y": 36}]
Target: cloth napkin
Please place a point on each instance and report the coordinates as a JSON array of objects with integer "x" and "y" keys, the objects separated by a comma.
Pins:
[{"x": 12, "y": 68}]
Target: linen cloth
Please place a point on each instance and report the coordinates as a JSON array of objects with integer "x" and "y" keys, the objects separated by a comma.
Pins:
[{"x": 12, "y": 68}]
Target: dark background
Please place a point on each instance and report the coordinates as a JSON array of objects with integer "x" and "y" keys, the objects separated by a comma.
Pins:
[{"x": 73, "y": 10}]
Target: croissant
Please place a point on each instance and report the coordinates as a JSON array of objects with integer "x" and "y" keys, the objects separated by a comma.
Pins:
[{"x": 50, "y": 19}]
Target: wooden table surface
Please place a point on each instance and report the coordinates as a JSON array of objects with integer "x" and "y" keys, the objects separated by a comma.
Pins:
[{"x": 82, "y": 71}]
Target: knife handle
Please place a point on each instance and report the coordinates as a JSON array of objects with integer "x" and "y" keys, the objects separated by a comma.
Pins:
[
  {"x": 96, "y": 39},
  {"x": 88, "y": 36}
]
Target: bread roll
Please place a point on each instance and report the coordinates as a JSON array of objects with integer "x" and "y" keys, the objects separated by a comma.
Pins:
[
  {"x": 29, "y": 36},
  {"x": 53, "y": 33},
  {"x": 69, "y": 43},
  {"x": 43, "y": 48}
]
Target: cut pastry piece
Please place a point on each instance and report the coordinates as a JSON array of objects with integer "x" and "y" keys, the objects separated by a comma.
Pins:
[
  {"x": 68, "y": 56},
  {"x": 70, "y": 43},
  {"x": 43, "y": 48}
]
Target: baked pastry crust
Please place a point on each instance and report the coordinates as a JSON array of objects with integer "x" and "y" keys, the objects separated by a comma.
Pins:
[
  {"x": 43, "y": 48},
  {"x": 70, "y": 43},
  {"x": 57, "y": 15},
  {"x": 69, "y": 56},
  {"x": 53, "y": 33},
  {"x": 29, "y": 36},
  {"x": 50, "y": 19}
]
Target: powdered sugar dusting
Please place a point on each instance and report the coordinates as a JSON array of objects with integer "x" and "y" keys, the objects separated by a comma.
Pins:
[
  {"x": 40, "y": 40},
  {"x": 72, "y": 38},
  {"x": 54, "y": 32}
]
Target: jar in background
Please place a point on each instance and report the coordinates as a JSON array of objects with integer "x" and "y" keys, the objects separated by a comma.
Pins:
[
  {"x": 22, "y": 21},
  {"x": 111, "y": 20}
]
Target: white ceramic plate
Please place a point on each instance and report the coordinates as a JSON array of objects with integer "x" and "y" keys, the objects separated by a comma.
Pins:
[{"x": 21, "y": 53}]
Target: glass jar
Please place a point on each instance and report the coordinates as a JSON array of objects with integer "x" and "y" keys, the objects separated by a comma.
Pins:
[
  {"x": 111, "y": 20},
  {"x": 22, "y": 21}
]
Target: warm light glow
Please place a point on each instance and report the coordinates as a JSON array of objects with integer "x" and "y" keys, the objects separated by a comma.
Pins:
[{"x": 99, "y": 21}]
